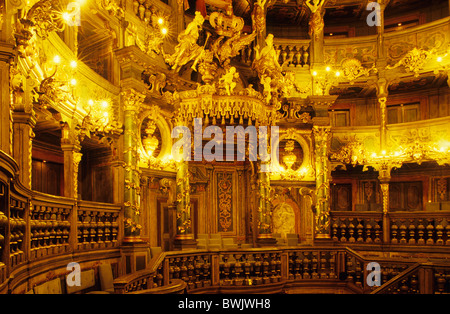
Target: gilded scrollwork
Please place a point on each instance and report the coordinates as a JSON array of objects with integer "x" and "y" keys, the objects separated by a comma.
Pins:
[
  {"x": 352, "y": 69},
  {"x": 414, "y": 60}
]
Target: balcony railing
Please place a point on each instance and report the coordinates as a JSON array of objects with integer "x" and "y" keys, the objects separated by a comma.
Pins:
[
  {"x": 273, "y": 270},
  {"x": 417, "y": 228},
  {"x": 35, "y": 226}
]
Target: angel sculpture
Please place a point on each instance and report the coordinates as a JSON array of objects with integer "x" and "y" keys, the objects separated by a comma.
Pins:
[
  {"x": 228, "y": 80},
  {"x": 187, "y": 48},
  {"x": 266, "y": 60}
]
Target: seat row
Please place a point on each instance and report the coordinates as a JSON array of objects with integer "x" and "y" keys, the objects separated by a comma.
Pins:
[
  {"x": 87, "y": 283},
  {"x": 291, "y": 239},
  {"x": 215, "y": 241}
]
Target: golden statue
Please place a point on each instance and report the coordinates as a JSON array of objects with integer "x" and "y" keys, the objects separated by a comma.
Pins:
[
  {"x": 187, "y": 48},
  {"x": 228, "y": 80},
  {"x": 258, "y": 16},
  {"x": 266, "y": 59}
]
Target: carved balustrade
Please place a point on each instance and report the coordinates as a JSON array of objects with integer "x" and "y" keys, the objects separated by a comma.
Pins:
[
  {"x": 215, "y": 271},
  {"x": 403, "y": 228},
  {"x": 3, "y": 228},
  {"x": 357, "y": 227},
  {"x": 249, "y": 268},
  {"x": 34, "y": 225},
  {"x": 194, "y": 269},
  {"x": 420, "y": 228},
  {"x": 293, "y": 53},
  {"x": 419, "y": 278},
  {"x": 98, "y": 225},
  {"x": 49, "y": 226}
]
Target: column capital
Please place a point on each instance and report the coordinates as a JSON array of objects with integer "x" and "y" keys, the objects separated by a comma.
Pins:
[
  {"x": 321, "y": 104},
  {"x": 132, "y": 99},
  {"x": 24, "y": 118},
  {"x": 70, "y": 147}
]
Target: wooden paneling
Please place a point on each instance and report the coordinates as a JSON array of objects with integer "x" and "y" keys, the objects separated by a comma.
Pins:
[
  {"x": 405, "y": 196},
  {"x": 47, "y": 177},
  {"x": 342, "y": 197}
]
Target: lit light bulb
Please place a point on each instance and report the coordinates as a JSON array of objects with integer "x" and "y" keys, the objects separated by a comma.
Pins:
[
  {"x": 164, "y": 31},
  {"x": 90, "y": 102},
  {"x": 383, "y": 152},
  {"x": 104, "y": 104},
  {"x": 328, "y": 69},
  {"x": 439, "y": 59},
  {"x": 73, "y": 64},
  {"x": 56, "y": 59},
  {"x": 66, "y": 16},
  {"x": 160, "y": 21},
  {"x": 314, "y": 73},
  {"x": 338, "y": 74},
  {"x": 73, "y": 82}
]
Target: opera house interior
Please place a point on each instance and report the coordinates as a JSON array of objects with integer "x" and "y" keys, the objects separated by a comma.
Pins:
[{"x": 224, "y": 146}]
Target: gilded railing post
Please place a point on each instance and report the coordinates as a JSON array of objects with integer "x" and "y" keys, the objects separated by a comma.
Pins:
[{"x": 384, "y": 185}]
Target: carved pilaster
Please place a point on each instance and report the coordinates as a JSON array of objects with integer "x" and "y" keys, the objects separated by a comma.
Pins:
[
  {"x": 72, "y": 158},
  {"x": 23, "y": 125},
  {"x": 322, "y": 137}
]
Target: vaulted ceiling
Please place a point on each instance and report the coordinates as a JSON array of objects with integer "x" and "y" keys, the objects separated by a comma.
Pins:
[{"x": 296, "y": 12}]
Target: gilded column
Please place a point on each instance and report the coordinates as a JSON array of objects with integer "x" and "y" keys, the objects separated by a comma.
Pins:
[
  {"x": 72, "y": 158},
  {"x": 24, "y": 121},
  {"x": 316, "y": 26},
  {"x": 383, "y": 130},
  {"x": 6, "y": 54},
  {"x": 23, "y": 125},
  {"x": 380, "y": 30},
  {"x": 131, "y": 100},
  {"x": 264, "y": 211},
  {"x": 183, "y": 236},
  {"x": 322, "y": 135}
]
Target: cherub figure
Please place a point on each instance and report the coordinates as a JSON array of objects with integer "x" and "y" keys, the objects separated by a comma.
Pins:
[{"x": 228, "y": 80}]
